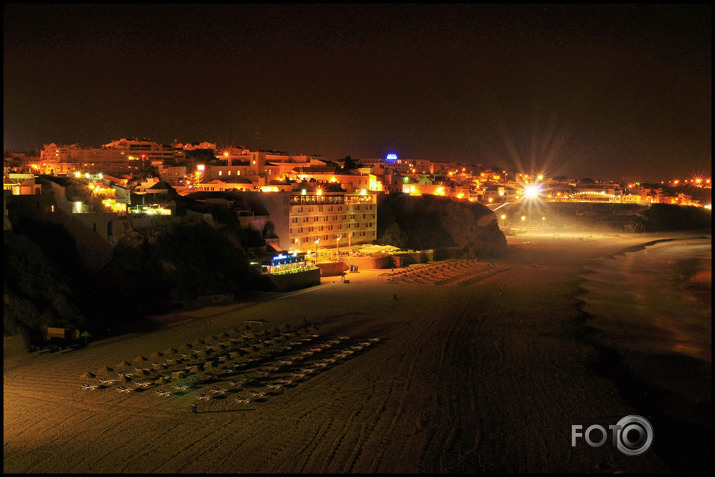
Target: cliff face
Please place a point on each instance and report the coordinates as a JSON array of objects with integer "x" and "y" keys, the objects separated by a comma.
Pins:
[
  {"x": 46, "y": 284},
  {"x": 428, "y": 222},
  {"x": 565, "y": 216}
]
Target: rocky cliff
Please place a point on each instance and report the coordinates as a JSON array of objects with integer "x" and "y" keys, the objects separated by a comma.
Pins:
[{"x": 431, "y": 222}]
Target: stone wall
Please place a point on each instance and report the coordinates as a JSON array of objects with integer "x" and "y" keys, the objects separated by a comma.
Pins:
[
  {"x": 328, "y": 269},
  {"x": 294, "y": 281},
  {"x": 369, "y": 263}
]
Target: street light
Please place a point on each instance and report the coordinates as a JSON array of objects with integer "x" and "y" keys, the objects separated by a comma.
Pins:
[
  {"x": 316, "y": 249},
  {"x": 338, "y": 245}
]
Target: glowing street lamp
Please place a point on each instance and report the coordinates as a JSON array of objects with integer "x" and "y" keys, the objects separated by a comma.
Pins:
[
  {"x": 316, "y": 249},
  {"x": 532, "y": 191},
  {"x": 338, "y": 244}
]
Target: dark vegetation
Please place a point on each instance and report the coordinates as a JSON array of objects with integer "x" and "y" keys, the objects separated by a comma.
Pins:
[
  {"x": 150, "y": 272},
  {"x": 440, "y": 223}
]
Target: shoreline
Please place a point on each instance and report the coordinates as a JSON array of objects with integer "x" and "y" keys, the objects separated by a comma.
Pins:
[
  {"x": 677, "y": 396},
  {"x": 488, "y": 376}
]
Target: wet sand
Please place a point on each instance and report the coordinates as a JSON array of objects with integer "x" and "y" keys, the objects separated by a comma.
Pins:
[{"x": 488, "y": 376}]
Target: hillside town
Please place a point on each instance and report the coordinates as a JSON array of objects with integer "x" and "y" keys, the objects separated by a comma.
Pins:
[{"x": 297, "y": 203}]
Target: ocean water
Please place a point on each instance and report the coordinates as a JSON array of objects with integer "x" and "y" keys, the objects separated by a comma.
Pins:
[{"x": 654, "y": 300}]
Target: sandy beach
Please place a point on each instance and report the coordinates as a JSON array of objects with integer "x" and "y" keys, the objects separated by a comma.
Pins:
[{"x": 486, "y": 376}]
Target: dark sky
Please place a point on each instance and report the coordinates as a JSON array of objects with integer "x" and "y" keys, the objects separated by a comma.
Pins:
[{"x": 601, "y": 91}]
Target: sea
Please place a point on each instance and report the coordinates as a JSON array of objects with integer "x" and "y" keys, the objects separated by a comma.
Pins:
[{"x": 656, "y": 298}]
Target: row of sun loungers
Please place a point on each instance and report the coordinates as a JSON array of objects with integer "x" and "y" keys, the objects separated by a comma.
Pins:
[
  {"x": 484, "y": 274},
  {"x": 278, "y": 386},
  {"x": 163, "y": 373},
  {"x": 446, "y": 272}
]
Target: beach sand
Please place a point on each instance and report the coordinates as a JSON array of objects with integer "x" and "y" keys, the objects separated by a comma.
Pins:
[{"x": 485, "y": 377}]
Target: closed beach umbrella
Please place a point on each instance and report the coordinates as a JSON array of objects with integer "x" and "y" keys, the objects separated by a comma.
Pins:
[
  {"x": 124, "y": 364},
  {"x": 106, "y": 370},
  {"x": 87, "y": 375}
]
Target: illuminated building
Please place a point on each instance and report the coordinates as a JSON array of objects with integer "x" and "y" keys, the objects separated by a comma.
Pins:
[
  {"x": 146, "y": 151},
  {"x": 123, "y": 155},
  {"x": 324, "y": 212},
  {"x": 21, "y": 184}
]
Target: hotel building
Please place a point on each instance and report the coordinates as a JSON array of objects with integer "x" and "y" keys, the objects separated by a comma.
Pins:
[{"x": 322, "y": 214}]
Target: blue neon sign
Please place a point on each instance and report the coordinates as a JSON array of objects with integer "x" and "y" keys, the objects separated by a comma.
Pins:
[{"x": 391, "y": 157}]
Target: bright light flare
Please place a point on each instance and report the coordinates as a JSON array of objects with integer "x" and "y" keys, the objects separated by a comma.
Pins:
[{"x": 532, "y": 191}]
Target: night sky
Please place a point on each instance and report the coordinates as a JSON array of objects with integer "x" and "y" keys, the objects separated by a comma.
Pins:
[{"x": 601, "y": 91}]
